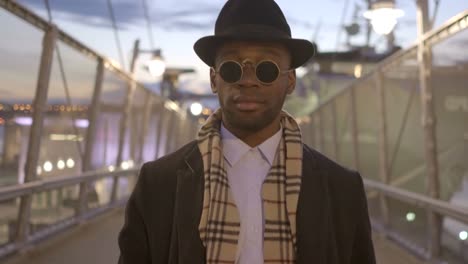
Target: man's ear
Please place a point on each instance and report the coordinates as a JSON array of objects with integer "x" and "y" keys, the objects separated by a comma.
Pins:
[
  {"x": 212, "y": 80},
  {"x": 291, "y": 81}
]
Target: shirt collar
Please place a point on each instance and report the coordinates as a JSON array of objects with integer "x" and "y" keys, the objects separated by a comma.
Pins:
[{"x": 234, "y": 148}]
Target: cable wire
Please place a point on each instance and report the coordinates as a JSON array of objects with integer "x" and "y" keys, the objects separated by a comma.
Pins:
[
  {"x": 116, "y": 33},
  {"x": 65, "y": 83},
  {"x": 148, "y": 24}
]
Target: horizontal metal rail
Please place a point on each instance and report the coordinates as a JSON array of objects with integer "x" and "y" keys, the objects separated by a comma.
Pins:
[
  {"x": 15, "y": 191},
  {"x": 419, "y": 200}
]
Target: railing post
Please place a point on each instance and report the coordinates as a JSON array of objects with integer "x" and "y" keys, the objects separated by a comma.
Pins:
[
  {"x": 91, "y": 136},
  {"x": 383, "y": 146},
  {"x": 159, "y": 128},
  {"x": 122, "y": 135},
  {"x": 429, "y": 126},
  {"x": 39, "y": 107},
  {"x": 354, "y": 127}
]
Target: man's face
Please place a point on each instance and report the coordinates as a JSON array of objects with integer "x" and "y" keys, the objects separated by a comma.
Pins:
[{"x": 249, "y": 104}]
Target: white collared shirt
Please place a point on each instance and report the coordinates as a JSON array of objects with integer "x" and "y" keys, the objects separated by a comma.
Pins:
[{"x": 247, "y": 168}]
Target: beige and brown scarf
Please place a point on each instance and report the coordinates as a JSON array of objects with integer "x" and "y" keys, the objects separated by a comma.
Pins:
[{"x": 220, "y": 224}]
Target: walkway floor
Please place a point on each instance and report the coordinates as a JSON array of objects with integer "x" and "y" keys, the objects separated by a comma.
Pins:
[{"x": 96, "y": 243}]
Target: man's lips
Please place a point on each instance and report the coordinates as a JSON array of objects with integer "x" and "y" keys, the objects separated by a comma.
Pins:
[{"x": 245, "y": 103}]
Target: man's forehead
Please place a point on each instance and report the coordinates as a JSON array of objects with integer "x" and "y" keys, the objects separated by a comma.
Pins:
[{"x": 239, "y": 47}]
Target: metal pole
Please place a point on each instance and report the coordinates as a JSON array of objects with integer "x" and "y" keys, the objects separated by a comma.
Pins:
[
  {"x": 134, "y": 129},
  {"x": 124, "y": 120},
  {"x": 146, "y": 120},
  {"x": 91, "y": 136},
  {"x": 39, "y": 107},
  {"x": 383, "y": 146},
  {"x": 354, "y": 128},
  {"x": 429, "y": 126}
]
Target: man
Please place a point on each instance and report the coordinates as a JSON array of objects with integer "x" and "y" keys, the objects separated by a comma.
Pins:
[{"x": 247, "y": 190}]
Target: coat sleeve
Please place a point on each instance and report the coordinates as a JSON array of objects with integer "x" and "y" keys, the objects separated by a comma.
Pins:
[
  {"x": 363, "y": 249},
  {"x": 133, "y": 238}
]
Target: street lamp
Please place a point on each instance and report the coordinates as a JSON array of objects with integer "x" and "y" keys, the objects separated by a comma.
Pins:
[
  {"x": 156, "y": 66},
  {"x": 383, "y": 16}
]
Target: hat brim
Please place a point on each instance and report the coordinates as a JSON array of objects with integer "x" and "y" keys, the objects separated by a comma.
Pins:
[{"x": 301, "y": 50}]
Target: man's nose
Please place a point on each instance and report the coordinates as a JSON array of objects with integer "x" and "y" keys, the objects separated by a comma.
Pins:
[{"x": 248, "y": 76}]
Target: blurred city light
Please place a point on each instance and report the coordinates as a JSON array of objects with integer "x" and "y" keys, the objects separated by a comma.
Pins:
[
  {"x": 196, "y": 109},
  {"x": 70, "y": 163},
  {"x": 48, "y": 167},
  {"x": 463, "y": 235},
  {"x": 82, "y": 123},
  {"x": 124, "y": 165},
  {"x": 410, "y": 217},
  {"x": 61, "y": 164},
  {"x": 23, "y": 120}
]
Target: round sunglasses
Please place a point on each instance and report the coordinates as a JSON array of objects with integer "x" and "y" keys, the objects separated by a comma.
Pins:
[{"x": 266, "y": 71}]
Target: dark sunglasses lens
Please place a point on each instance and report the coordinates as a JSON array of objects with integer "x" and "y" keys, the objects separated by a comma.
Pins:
[
  {"x": 267, "y": 72},
  {"x": 230, "y": 71}
]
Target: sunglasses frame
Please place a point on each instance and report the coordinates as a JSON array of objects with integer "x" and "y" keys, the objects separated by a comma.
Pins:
[{"x": 244, "y": 64}]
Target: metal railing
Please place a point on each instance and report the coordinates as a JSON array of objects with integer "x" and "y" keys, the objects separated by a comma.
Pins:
[
  {"x": 41, "y": 186},
  {"x": 372, "y": 126},
  {"x": 96, "y": 180}
]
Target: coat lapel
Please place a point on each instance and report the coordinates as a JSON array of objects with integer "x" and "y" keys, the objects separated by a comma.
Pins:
[
  {"x": 189, "y": 200},
  {"x": 313, "y": 218}
]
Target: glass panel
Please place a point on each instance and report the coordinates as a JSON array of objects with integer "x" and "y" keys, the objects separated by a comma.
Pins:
[
  {"x": 8, "y": 219},
  {"x": 405, "y": 137},
  {"x": 149, "y": 147},
  {"x": 316, "y": 119},
  {"x": 327, "y": 123},
  {"x": 135, "y": 128},
  {"x": 165, "y": 127},
  {"x": 19, "y": 80},
  {"x": 368, "y": 119},
  {"x": 51, "y": 207},
  {"x": 66, "y": 121}
]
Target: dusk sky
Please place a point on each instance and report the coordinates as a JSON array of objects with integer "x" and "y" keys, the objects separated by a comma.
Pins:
[{"x": 177, "y": 24}]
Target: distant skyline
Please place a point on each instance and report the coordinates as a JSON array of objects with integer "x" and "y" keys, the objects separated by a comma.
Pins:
[{"x": 177, "y": 24}]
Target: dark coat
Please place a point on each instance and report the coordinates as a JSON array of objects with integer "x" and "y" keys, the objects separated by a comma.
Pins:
[{"x": 164, "y": 210}]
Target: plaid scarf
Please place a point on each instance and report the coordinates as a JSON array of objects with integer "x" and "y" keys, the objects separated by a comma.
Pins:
[{"x": 220, "y": 224}]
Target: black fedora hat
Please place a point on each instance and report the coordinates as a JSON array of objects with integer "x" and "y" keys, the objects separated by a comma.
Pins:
[{"x": 255, "y": 20}]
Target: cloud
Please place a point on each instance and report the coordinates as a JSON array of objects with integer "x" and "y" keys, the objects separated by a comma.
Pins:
[
  {"x": 127, "y": 13},
  {"x": 185, "y": 15}
]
